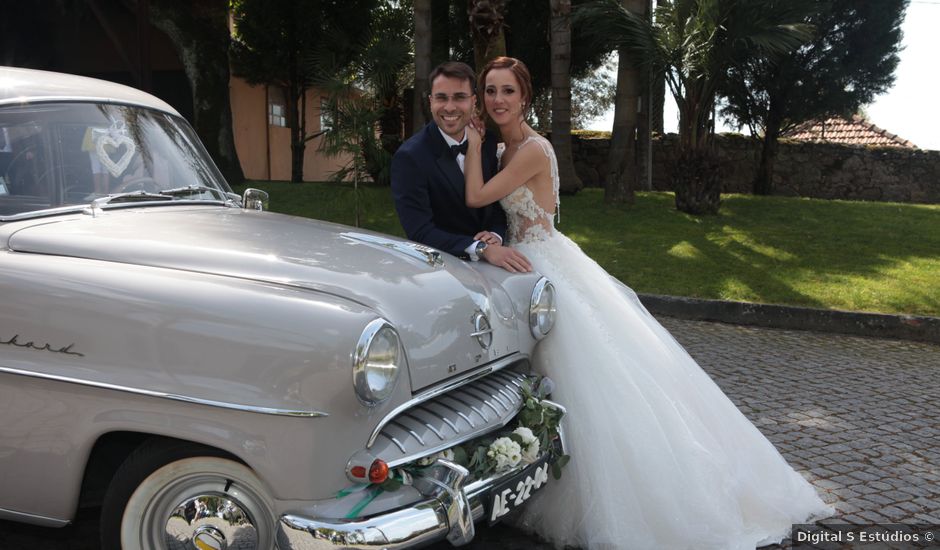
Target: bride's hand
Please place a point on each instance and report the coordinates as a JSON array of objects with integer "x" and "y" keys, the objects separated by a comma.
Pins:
[
  {"x": 487, "y": 237},
  {"x": 474, "y": 136}
]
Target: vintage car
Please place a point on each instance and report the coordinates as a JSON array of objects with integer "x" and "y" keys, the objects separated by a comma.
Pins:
[{"x": 214, "y": 375}]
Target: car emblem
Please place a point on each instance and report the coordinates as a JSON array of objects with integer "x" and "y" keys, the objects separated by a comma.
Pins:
[{"x": 482, "y": 330}]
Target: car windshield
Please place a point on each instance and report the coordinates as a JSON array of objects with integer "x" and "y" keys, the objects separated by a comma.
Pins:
[{"x": 55, "y": 155}]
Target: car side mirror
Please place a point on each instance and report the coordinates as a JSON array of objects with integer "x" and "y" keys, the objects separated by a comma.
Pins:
[{"x": 255, "y": 199}]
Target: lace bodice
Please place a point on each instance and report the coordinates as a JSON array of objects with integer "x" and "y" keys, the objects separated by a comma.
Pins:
[{"x": 529, "y": 222}]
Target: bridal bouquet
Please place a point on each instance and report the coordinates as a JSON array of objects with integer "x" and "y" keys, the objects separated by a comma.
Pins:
[{"x": 535, "y": 428}]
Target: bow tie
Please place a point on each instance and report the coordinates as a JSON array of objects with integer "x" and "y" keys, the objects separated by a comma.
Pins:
[{"x": 459, "y": 149}]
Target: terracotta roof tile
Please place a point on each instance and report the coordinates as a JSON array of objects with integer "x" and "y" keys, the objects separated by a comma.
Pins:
[{"x": 854, "y": 131}]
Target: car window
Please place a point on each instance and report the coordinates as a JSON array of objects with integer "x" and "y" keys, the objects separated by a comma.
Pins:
[{"x": 61, "y": 154}]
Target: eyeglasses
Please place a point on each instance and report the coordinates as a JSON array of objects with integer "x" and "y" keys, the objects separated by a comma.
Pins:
[{"x": 459, "y": 97}]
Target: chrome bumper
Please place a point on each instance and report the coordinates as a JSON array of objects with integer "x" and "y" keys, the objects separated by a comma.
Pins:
[{"x": 449, "y": 511}]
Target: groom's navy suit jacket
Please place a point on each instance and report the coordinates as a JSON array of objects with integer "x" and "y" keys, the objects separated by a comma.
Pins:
[{"x": 428, "y": 188}]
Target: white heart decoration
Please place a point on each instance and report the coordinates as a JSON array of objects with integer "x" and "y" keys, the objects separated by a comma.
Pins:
[{"x": 115, "y": 167}]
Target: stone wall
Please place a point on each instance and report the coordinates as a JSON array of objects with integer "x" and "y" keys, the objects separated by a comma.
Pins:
[{"x": 817, "y": 170}]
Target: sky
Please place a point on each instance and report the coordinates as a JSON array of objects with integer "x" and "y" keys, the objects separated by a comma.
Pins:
[{"x": 910, "y": 108}]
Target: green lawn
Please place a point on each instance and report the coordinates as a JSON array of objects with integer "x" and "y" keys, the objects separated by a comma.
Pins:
[{"x": 861, "y": 256}]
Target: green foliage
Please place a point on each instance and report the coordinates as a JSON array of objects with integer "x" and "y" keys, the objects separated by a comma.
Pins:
[
  {"x": 528, "y": 38},
  {"x": 850, "y": 60},
  {"x": 593, "y": 95},
  {"x": 694, "y": 44},
  {"x": 293, "y": 44},
  {"x": 274, "y": 39},
  {"x": 539, "y": 417},
  {"x": 364, "y": 97},
  {"x": 856, "y": 256}
]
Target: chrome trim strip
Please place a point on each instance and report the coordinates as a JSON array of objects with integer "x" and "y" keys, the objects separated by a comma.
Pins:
[
  {"x": 34, "y": 519},
  {"x": 439, "y": 390},
  {"x": 359, "y": 376},
  {"x": 396, "y": 442},
  {"x": 467, "y": 418},
  {"x": 533, "y": 314},
  {"x": 504, "y": 393},
  {"x": 433, "y": 429},
  {"x": 164, "y": 395},
  {"x": 428, "y": 424},
  {"x": 412, "y": 526},
  {"x": 450, "y": 443}
]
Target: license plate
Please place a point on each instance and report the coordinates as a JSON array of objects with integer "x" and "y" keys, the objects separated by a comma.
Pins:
[{"x": 510, "y": 494}]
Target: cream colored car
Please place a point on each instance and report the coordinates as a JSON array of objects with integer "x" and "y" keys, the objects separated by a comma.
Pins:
[{"x": 219, "y": 376}]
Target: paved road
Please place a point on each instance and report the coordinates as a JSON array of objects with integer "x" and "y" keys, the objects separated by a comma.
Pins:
[{"x": 858, "y": 417}]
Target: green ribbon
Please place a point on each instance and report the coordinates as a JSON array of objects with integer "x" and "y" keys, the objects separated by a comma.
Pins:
[
  {"x": 350, "y": 490},
  {"x": 354, "y": 513}
]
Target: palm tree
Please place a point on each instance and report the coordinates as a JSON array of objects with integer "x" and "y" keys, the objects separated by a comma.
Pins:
[
  {"x": 422, "y": 63},
  {"x": 621, "y": 160},
  {"x": 561, "y": 95},
  {"x": 486, "y": 26},
  {"x": 694, "y": 43}
]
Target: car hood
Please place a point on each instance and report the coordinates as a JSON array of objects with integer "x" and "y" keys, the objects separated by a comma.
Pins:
[{"x": 431, "y": 304}]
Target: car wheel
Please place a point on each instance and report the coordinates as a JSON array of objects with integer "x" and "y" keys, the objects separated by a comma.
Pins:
[{"x": 181, "y": 495}]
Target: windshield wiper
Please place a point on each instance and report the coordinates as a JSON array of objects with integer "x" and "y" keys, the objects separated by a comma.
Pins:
[
  {"x": 191, "y": 190},
  {"x": 132, "y": 196}
]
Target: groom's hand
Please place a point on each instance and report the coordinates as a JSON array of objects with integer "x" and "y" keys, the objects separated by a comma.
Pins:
[{"x": 507, "y": 258}]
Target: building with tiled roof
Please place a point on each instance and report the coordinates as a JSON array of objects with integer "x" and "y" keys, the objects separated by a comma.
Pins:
[{"x": 854, "y": 131}]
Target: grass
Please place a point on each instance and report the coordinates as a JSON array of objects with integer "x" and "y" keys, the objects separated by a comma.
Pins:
[{"x": 858, "y": 256}]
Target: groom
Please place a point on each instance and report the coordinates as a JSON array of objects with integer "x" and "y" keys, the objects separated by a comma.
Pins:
[{"x": 428, "y": 183}]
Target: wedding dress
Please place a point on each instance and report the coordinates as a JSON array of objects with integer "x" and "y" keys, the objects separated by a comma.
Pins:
[{"x": 660, "y": 457}]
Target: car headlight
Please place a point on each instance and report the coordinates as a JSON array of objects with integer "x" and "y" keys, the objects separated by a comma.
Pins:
[
  {"x": 542, "y": 309},
  {"x": 376, "y": 362}
]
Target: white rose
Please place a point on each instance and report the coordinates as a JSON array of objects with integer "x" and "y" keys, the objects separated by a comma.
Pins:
[
  {"x": 531, "y": 451},
  {"x": 526, "y": 434},
  {"x": 505, "y": 452}
]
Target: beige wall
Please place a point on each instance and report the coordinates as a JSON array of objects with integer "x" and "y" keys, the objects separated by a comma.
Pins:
[{"x": 254, "y": 138}]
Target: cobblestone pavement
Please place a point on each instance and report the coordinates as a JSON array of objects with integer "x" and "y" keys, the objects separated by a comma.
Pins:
[{"x": 858, "y": 417}]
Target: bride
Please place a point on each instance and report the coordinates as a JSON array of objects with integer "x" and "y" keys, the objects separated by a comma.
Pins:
[{"x": 661, "y": 458}]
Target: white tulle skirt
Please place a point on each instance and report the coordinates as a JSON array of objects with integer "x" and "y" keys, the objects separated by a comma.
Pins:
[{"x": 660, "y": 457}]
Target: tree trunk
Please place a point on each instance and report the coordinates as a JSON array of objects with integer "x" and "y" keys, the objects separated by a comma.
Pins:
[
  {"x": 695, "y": 174},
  {"x": 622, "y": 172},
  {"x": 201, "y": 37},
  {"x": 657, "y": 102},
  {"x": 419, "y": 113},
  {"x": 696, "y": 182},
  {"x": 486, "y": 26},
  {"x": 440, "y": 33},
  {"x": 561, "y": 94},
  {"x": 294, "y": 92},
  {"x": 764, "y": 179}
]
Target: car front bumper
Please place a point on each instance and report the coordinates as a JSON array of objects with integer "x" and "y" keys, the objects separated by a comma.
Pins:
[{"x": 449, "y": 511}]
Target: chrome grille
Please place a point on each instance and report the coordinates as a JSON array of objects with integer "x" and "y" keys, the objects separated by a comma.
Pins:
[{"x": 459, "y": 415}]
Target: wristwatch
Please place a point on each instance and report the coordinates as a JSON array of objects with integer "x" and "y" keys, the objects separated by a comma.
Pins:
[{"x": 481, "y": 246}]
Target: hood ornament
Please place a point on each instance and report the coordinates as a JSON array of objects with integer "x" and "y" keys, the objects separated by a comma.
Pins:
[
  {"x": 426, "y": 254},
  {"x": 482, "y": 330}
]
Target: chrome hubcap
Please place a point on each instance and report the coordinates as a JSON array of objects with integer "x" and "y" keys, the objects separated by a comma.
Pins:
[{"x": 211, "y": 522}]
